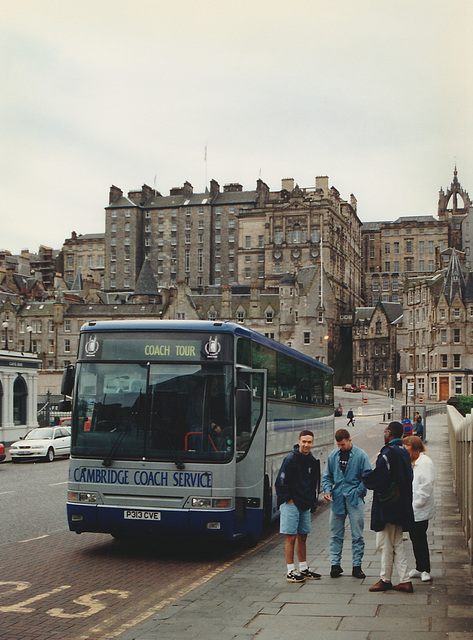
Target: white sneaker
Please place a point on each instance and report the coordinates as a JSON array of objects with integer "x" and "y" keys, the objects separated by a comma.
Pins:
[
  {"x": 425, "y": 576},
  {"x": 415, "y": 574}
]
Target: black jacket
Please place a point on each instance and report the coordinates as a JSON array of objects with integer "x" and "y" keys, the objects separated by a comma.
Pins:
[
  {"x": 393, "y": 464},
  {"x": 298, "y": 479}
]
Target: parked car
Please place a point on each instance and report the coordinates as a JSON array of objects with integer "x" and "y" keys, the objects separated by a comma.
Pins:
[
  {"x": 352, "y": 388},
  {"x": 65, "y": 422},
  {"x": 2, "y": 452},
  {"x": 42, "y": 443}
]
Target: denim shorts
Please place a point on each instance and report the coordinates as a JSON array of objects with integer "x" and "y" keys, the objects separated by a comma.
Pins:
[{"x": 292, "y": 520}]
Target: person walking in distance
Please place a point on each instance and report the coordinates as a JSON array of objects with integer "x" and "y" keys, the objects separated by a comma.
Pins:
[
  {"x": 350, "y": 418},
  {"x": 296, "y": 487},
  {"x": 344, "y": 489},
  {"x": 391, "y": 511},
  {"x": 423, "y": 505}
]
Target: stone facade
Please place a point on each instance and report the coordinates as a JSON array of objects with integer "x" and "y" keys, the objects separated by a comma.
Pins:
[
  {"x": 395, "y": 250},
  {"x": 84, "y": 254},
  {"x": 375, "y": 345},
  {"x": 436, "y": 344}
]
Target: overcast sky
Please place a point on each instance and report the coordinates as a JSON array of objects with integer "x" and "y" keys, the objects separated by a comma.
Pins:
[{"x": 376, "y": 94}]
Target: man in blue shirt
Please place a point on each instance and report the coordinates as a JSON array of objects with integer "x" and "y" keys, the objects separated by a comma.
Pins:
[{"x": 343, "y": 487}]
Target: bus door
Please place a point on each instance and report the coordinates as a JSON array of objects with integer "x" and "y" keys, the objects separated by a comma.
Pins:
[{"x": 250, "y": 450}]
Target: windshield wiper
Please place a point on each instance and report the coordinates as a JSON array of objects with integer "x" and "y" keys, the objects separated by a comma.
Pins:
[{"x": 107, "y": 461}]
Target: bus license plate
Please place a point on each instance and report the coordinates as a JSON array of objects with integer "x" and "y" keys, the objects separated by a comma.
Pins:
[{"x": 133, "y": 514}]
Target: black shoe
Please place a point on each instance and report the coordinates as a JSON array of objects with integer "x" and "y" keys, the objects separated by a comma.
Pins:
[
  {"x": 309, "y": 574},
  {"x": 358, "y": 573},
  {"x": 335, "y": 571}
]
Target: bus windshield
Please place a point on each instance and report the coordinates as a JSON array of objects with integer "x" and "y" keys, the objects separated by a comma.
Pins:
[{"x": 153, "y": 411}]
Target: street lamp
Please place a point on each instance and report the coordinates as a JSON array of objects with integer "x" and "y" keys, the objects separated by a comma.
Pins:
[
  {"x": 30, "y": 331},
  {"x": 5, "y": 326}
]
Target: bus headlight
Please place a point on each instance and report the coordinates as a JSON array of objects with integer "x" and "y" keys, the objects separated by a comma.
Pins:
[
  {"x": 89, "y": 497},
  {"x": 211, "y": 503}
]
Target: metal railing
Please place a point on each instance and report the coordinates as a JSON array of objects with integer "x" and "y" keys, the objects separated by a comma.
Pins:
[{"x": 460, "y": 431}]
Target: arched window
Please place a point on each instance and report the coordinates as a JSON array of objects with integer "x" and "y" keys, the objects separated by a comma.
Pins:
[{"x": 20, "y": 393}]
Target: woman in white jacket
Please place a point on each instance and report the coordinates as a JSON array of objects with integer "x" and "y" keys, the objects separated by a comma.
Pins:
[{"x": 422, "y": 503}]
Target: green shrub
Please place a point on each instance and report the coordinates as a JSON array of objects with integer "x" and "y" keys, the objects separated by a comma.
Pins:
[{"x": 463, "y": 404}]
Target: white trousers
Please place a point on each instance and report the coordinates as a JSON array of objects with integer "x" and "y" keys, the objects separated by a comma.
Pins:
[{"x": 390, "y": 545}]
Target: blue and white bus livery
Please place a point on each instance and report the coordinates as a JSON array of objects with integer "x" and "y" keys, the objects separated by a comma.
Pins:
[{"x": 180, "y": 427}]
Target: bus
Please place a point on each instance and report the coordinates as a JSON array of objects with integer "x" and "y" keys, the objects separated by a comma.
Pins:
[{"x": 179, "y": 428}]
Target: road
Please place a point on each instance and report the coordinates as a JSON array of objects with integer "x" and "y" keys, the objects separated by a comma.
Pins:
[{"x": 55, "y": 583}]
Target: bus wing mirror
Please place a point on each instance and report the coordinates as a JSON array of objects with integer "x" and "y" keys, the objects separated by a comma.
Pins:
[
  {"x": 243, "y": 403},
  {"x": 67, "y": 383},
  {"x": 64, "y": 405}
]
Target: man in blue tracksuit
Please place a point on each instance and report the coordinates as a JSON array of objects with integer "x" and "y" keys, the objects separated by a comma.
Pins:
[{"x": 343, "y": 487}]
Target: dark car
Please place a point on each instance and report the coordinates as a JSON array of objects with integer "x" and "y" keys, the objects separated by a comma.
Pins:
[{"x": 2, "y": 452}]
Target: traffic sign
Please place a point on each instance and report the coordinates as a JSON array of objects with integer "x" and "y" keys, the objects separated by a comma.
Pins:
[
  {"x": 362, "y": 385},
  {"x": 365, "y": 400},
  {"x": 421, "y": 398}
]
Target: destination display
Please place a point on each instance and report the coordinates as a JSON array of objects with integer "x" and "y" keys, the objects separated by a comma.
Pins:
[{"x": 155, "y": 347}]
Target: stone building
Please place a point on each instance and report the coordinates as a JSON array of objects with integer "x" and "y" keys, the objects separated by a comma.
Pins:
[
  {"x": 375, "y": 362},
  {"x": 436, "y": 344},
  {"x": 290, "y": 313},
  {"x": 84, "y": 254},
  {"x": 186, "y": 235},
  {"x": 392, "y": 251},
  {"x": 18, "y": 394}
]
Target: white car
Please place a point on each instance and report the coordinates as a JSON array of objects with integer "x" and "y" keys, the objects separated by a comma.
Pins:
[{"x": 44, "y": 442}]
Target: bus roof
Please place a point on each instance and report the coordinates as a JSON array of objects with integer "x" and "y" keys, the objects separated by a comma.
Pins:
[{"x": 200, "y": 325}]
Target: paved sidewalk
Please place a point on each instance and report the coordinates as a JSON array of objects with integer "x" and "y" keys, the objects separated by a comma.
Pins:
[{"x": 251, "y": 598}]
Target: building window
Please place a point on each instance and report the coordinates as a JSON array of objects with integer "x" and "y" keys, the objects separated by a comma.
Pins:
[
  {"x": 443, "y": 360},
  {"x": 456, "y": 335},
  {"x": 387, "y": 247},
  {"x": 240, "y": 315},
  {"x": 306, "y": 337},
  {"x": 456, "y": 360},
  {"x": 67, "y": 346},
  {"x": 261, "y": 242},
  {"x": 247, "y": 242},
  {"x": 200, "y": 260},
  {"x": 248, "y": 272},
  {"x": 269, "y": 315},
  {"x": 187, "y": 260},
  {"x": 421, "y": 246}
]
